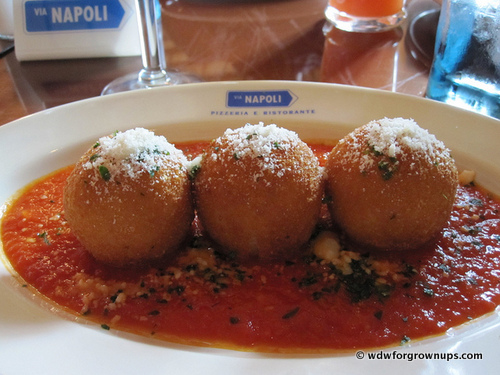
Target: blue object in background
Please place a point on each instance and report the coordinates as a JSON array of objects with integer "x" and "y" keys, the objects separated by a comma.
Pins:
[{"x": 464, "y": 72}]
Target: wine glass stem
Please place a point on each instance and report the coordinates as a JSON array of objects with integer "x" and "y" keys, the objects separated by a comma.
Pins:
[{"x": 153, "y": 54}]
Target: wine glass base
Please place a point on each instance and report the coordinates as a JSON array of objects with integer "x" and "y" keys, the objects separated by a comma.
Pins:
[
  {"x": 422, "y": 36},
  {"x": 133, "y": 82}
]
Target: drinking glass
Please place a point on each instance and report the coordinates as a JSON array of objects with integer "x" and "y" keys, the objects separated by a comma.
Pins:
[
  {"x": 466, "y": 67},
  {"x": 366, "y": 15},
  {"x": 153, "y": 73}
]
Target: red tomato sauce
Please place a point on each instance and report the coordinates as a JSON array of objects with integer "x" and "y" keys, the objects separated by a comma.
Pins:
[{"x": 203, "y": 297}]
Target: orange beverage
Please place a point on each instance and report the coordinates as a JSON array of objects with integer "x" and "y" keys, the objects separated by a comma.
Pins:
[
  {"x": 368, "y": 8},
  {"x": 365, "y": 15}
]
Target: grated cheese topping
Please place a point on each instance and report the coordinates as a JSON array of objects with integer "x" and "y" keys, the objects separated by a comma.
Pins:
[
  {"x": 132, "y": 153},
  {"x": 259, "y": 140},
  {"x": 262, "y": 143},
  {"x": 395, "y": 139}
]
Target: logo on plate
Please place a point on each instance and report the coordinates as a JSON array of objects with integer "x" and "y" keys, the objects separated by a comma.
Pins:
[{"x": 267, "y": 98}]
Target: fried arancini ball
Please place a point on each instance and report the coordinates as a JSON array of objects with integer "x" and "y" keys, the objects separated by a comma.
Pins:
[
  {"x": 258, "y": 191},
  {"x": 128, "y": 199},
  {"x": 392, "y": 185}
]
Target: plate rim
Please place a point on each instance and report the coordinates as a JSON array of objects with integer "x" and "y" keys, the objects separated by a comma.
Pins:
[{"x": 27, "y": 122}]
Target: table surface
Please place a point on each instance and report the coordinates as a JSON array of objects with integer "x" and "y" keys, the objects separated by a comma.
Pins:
[{"x": 266, "y": 40}]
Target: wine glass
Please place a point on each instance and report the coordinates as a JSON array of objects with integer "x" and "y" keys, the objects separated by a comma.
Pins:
[{"x": 153, "y": 73}]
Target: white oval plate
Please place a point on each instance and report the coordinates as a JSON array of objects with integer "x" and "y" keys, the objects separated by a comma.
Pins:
[{"x": 37, "y": 338}]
